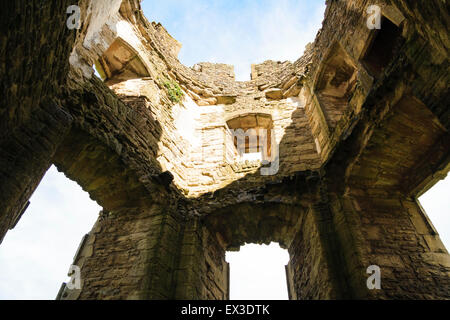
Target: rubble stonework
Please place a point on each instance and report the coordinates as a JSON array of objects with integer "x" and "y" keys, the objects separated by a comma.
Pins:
[{"x": 359, "y": 129}]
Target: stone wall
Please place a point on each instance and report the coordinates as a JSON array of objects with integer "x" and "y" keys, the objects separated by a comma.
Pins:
[
  {"x": 122, "y": 249},
  {"x": 31, "y": 119},
  {"x": 394, "y": 234},
  {"x": 202, "y": 272},
  {"x": 308, "y": 270},
  {"x": 359, "y": 138}
]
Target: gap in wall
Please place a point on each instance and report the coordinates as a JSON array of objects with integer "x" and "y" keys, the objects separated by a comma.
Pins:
[
  {"x": 257, "y": 272},
  {"x": 96, "y": 72},
  {"x": 36, "y": 255},
  {"x": 436, "y": 202}
]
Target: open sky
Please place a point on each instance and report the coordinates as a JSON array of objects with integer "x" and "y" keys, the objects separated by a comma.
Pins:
[
  {"x": 238, "y": 32},
  {"x": 36, "y": 255}
]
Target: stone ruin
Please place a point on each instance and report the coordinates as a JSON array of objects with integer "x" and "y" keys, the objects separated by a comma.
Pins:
[{"x": 357, "y": 128}]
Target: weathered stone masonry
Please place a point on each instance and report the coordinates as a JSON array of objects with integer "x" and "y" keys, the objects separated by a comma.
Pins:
[{"x": 361, "y": 122}]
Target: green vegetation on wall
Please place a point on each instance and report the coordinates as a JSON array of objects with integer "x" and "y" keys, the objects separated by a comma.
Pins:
[{"x": 174, "y": 90}]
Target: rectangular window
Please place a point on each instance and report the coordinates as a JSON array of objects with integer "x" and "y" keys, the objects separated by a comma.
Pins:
[{"x": 382, "y": 49}]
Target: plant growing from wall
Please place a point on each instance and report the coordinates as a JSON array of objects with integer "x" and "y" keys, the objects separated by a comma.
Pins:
[{"x": 174, "y": 91}]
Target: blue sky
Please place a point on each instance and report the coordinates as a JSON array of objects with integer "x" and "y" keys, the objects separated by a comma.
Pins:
[
  {"x": 238, "y": 32},
  {"x": 436, "y": 203},
  {"x": 36, "y": 255}
]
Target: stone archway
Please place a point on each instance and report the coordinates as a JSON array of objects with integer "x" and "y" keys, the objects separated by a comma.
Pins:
[{"x": 295, "y": 228}]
